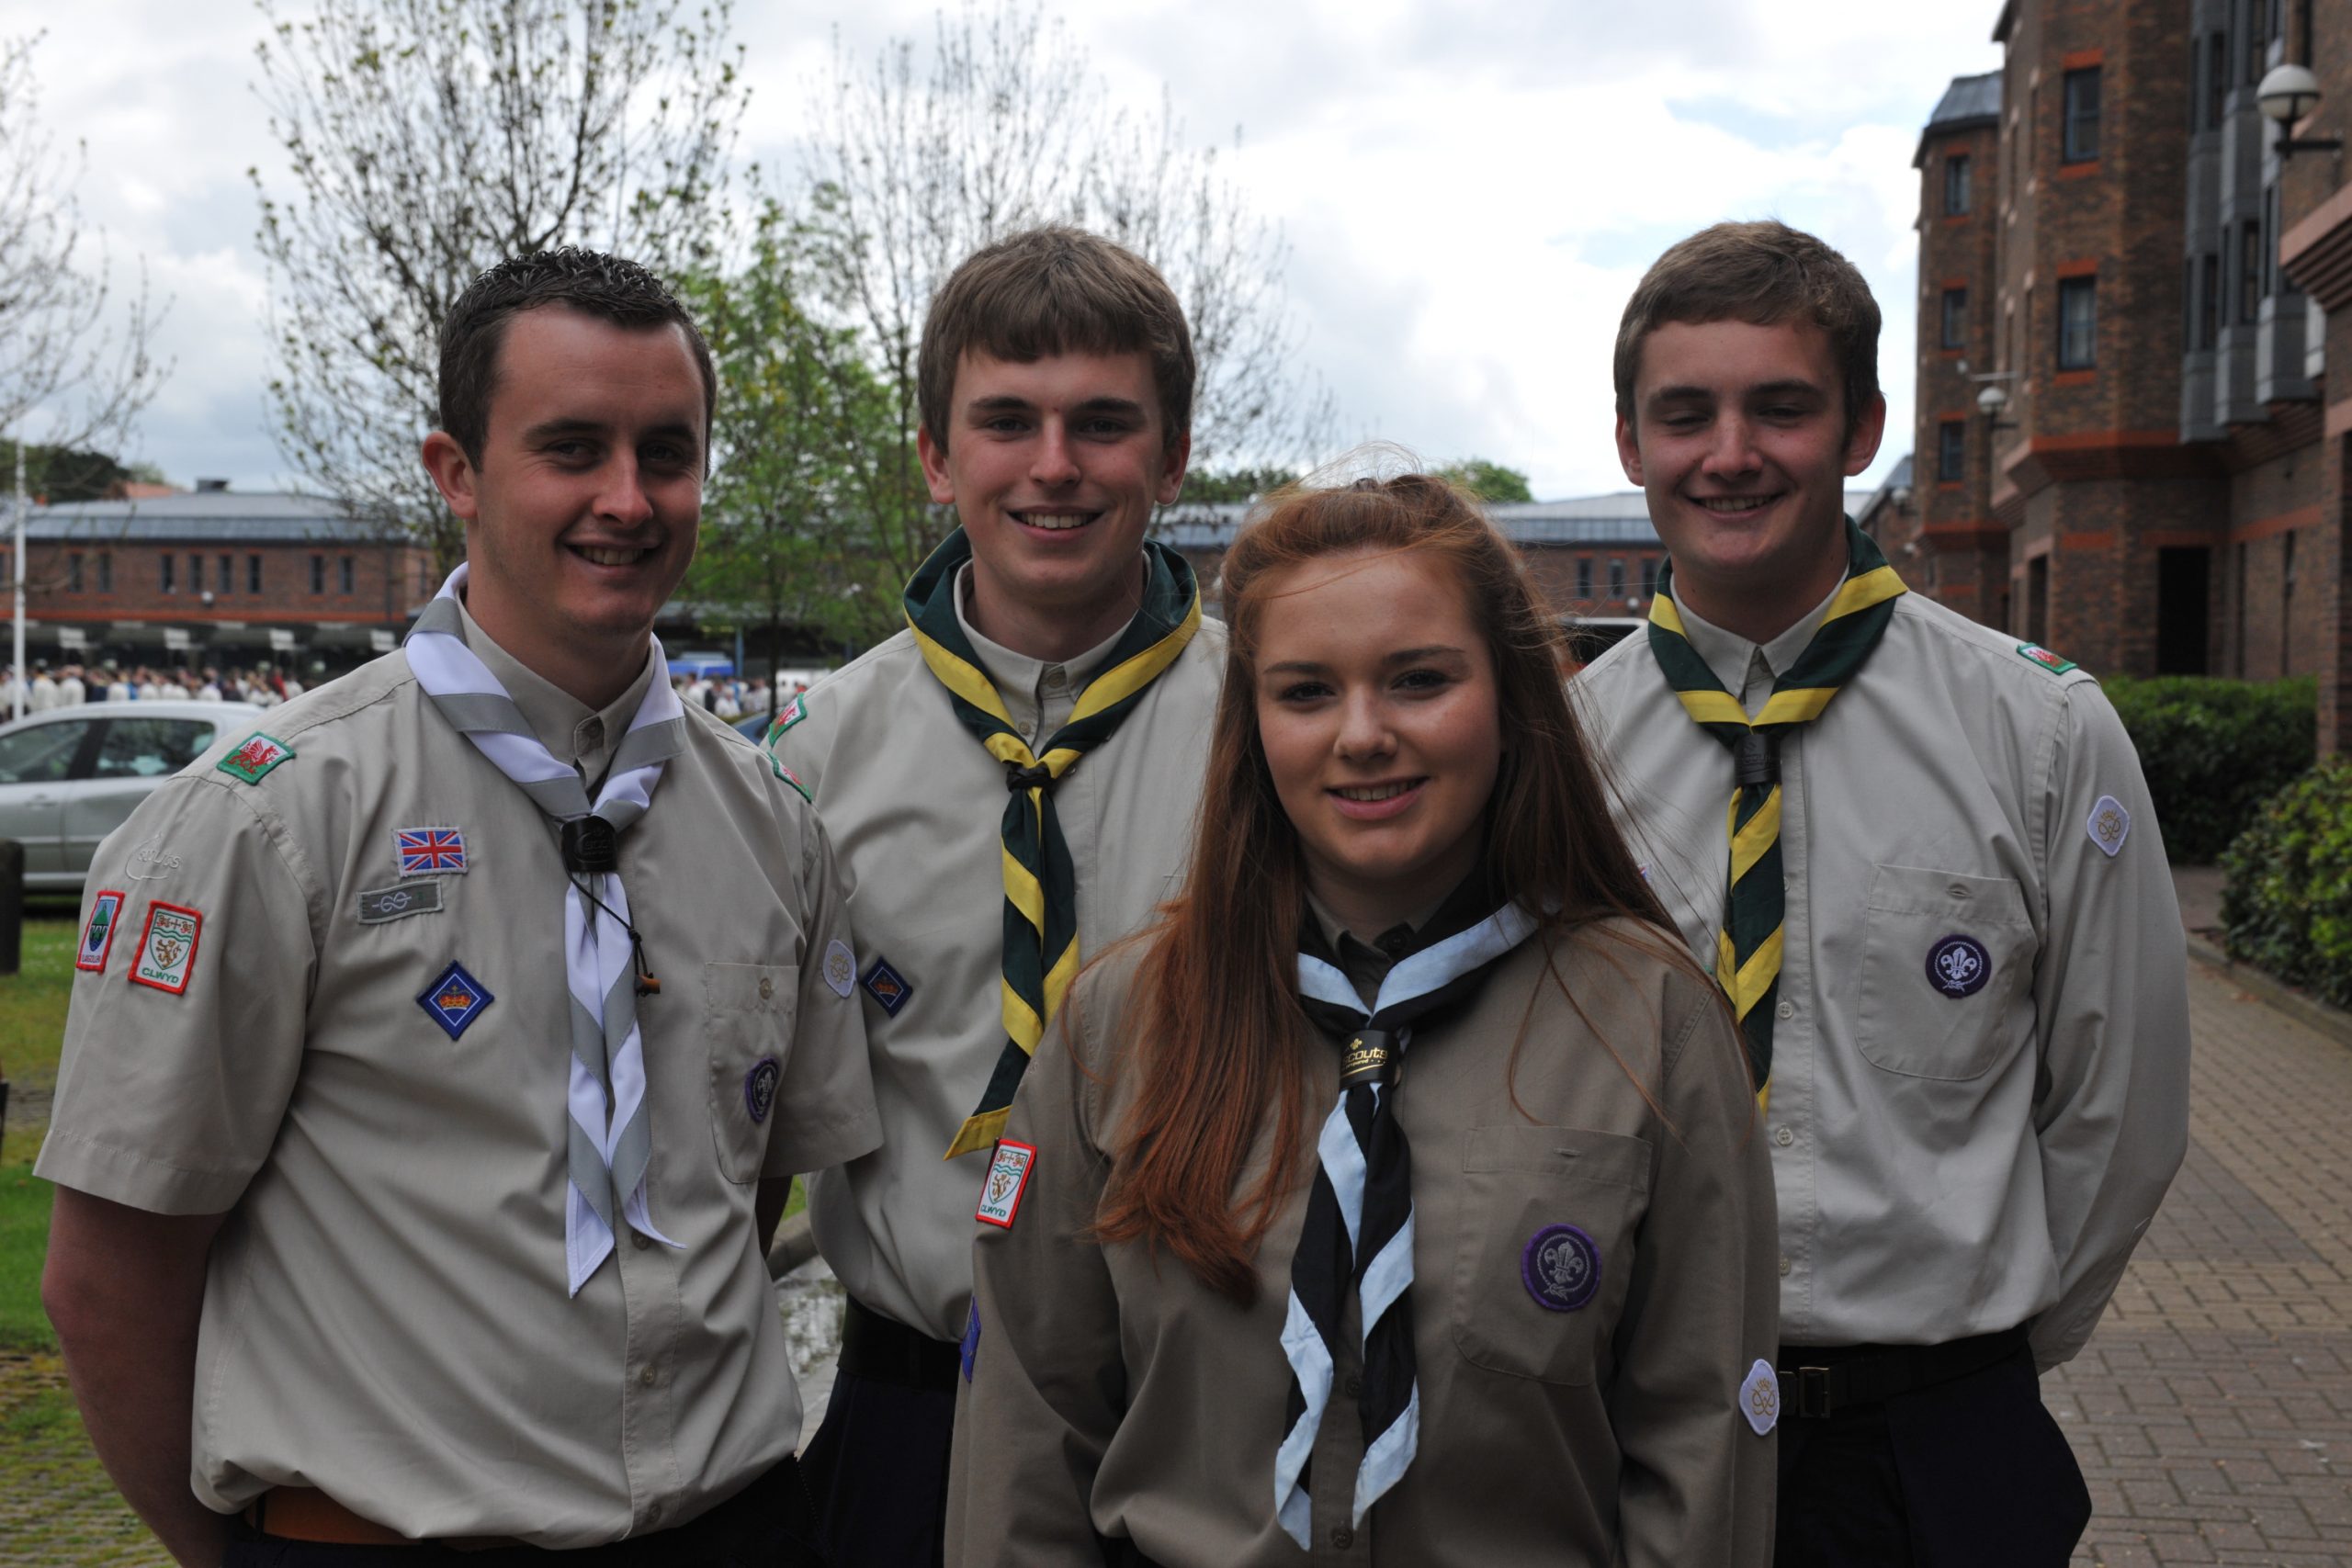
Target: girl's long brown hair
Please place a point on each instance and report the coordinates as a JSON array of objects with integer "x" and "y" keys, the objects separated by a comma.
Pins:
[{"x": 1218, "y": 1036}]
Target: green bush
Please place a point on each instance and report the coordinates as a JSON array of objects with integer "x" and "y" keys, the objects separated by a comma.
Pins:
[
  {"x": 2214, "y": 750},
  {"x": 2287, "y": 897}
]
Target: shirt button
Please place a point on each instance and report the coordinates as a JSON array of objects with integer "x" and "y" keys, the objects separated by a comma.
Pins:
[
  {"x": 1355, "y": 1388},
  {"x": 1784, "y": 1268},
  {"x": 1342, "y": 1538},
  {"x": 767, "y": 988},
  {"x": 646, "y": 1377},
  {"x": 1786, "y": 1010},
  {"x": 1785, "y": 1137},
  {"x": 641, "y": 1241}
]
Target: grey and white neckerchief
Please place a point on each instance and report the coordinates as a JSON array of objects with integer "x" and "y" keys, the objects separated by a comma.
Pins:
[
  {"x": 610, "y": 1141},
  {"x": 1358, "y": 1231}
]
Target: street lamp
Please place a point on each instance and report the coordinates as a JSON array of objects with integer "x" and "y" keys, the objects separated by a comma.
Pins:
[
  {"x": 2287, "y": 94},
  {"x": 1990, "y": 403}
]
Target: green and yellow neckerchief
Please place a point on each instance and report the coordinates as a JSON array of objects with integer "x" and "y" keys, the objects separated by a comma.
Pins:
[
  {"x": 1748, "y": 949},
  {"x": 1040, "y": 885}
]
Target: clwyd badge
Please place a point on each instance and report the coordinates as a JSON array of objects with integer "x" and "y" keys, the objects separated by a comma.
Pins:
[
  {"x": 1008, "y": 1177},
  {"x": 98, "y": 933},
  {"x": 167, "y": 948}
]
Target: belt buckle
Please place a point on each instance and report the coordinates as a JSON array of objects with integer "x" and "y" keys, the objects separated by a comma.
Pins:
[{"x": 1812, "y": 1391}]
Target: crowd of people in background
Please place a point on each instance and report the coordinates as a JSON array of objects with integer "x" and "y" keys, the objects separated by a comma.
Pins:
[{"x": 264, "y": 685}]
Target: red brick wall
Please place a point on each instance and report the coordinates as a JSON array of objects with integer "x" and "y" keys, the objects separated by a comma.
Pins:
[{"x": 286, "y": 596}]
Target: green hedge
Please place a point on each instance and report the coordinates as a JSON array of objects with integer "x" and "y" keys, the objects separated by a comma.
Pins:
[
  {"x": 2214, "y": 750},
  {"x": 2287, "y": 899}
]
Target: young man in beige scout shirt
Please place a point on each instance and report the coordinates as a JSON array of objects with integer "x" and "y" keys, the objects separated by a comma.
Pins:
[
  {"x": 1010, "y": 784},
  {"x": 422, "y": 1122},
  {"x": 1950, "y": 929}
]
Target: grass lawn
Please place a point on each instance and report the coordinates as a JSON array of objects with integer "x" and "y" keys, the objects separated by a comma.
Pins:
[{"x": 32, "y": 1024}]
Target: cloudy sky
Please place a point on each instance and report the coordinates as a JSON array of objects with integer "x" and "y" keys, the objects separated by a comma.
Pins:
[{"x": 1469, "y": 188}]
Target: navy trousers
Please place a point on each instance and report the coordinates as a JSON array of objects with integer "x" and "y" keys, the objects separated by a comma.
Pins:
[
  {"x": 877, "y": 1470},
  {"x": 1968, "y": 1473}
]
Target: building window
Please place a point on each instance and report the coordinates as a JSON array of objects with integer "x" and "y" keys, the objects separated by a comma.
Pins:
[
  {"x": 318, "y": 574},
  {"x": 228, "y": 575},
  {"x": 2208, "y": 315},
  {"x": 2257, "y": 46},
  {"x": 1956, "y": 185},
  {"x": 1955, "y": 325},
  {"x": 2250, "y": 270},
  {"x": 343, "y": 575},
  {"x": 2080, "y": 143},
  {"x": 195, "y": 572},
  {"x": 74, "y": 574},
  {"x": 2077, "y": 323},
  {"x": 166, "y": 562},
  {"x": 1649, "y": 577},
  {"x": 106, "y": 574},
  {"x": 1952, "y": 449},
  {"x": 1616, "y": 579},
  {"x": 2217, "y": 79},
  {"x": 1584, "y": 577},
  {"x": 253, "y": 574}
]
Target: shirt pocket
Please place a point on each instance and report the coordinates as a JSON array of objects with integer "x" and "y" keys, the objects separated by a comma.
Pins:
[
  {"x": 1547, "y": 1220},
  {"x": 1945, "y": 958},
  {"x": 747, "y": 1028}
]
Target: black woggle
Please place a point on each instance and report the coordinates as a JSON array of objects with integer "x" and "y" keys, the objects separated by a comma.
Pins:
[
  {"x": 1036, "y": 777},
  {"x": 590, "y": 846}
]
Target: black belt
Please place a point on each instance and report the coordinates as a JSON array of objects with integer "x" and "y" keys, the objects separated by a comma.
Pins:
[
  {"x": 1817, "y": 1380},
  {"x": 889, "y": 1351}
]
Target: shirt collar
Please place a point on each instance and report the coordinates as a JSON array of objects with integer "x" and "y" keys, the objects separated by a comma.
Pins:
[
  {"x": 567, "y": 726},
  {"x": 1017, "y": 675},
  {"x": 1728, "y": 653}
]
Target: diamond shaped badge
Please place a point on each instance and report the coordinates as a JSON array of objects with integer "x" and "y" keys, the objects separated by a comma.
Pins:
[{"x": 455, "y": 1000}]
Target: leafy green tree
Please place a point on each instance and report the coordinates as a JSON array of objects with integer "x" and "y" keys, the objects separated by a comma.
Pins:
[
  {"x": 1208, "y": 486},
  {"x": 429, "y": 139},
  {"x": 796, "y": 520},
  {"x": 1487, "y": 480}
]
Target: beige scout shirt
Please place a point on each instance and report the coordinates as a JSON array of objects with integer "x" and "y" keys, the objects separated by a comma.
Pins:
[
  {"x": 1113, "y": 1392},
  {"x": 1948, "y": 1163},
  {"x": 915, "y": 806},
  {"x": 385, "y": 1316}
]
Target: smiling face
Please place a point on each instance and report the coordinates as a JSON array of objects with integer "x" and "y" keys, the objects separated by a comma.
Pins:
[
  {"x": 581, "y": 514},
  {"x": 1054, "y": 467},
  {"x": 1381, "y": 722},
  {"x": 1740, "y": 442}
]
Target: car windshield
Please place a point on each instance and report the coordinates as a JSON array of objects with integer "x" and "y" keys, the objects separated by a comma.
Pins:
[
  {"x": 41, "y": 754},
  {"x": 150, "y": 748}
]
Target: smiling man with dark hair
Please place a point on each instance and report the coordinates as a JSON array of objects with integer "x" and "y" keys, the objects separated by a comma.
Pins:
[
  {"x": 418, "y": 1139},
  {"x": 1920, "y": 858}
]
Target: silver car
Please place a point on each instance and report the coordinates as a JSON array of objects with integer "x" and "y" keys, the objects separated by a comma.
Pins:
[{"x": 70, "y": 776}]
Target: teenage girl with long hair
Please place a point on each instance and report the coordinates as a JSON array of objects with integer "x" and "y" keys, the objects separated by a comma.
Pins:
[{"x": 1397, "y": 1198}]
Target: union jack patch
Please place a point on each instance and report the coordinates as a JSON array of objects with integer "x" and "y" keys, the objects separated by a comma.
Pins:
[{"x": 429, "y": 851}]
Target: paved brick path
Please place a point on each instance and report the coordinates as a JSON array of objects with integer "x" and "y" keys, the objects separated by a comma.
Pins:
[{"x": 2212, "y": 1411}]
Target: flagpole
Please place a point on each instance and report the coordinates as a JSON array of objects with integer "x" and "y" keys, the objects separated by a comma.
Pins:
[{"x": 16, "y": 595}]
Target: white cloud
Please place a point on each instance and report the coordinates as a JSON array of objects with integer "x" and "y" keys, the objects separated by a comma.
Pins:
[{"x": 1471, "y": 188}]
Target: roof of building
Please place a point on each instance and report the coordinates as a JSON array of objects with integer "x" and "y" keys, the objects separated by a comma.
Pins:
[
  {"x": 1970, "y": 102},
  {"x": 1620, "y": 517},
  {"x": 1898, "y": 478},
  {"x": 200, "y": 516}
]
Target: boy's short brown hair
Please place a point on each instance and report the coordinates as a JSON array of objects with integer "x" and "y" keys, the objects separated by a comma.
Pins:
[
  {"x": 1056, "y": 290},
  {"x": 1763, "y": 273}
]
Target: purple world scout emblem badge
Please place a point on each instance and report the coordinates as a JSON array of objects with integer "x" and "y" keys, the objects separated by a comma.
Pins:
[
  {"x": 759, "y": 1088},
  {"x": 1561, "y": 1268},
  {"x": 1959, "y": 965}
]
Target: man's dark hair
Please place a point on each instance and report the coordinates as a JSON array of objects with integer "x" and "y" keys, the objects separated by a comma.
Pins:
[
  {"x": 591, "y": 282},
  {"x": 1056, "y": 290},
  {"x": 1764, "y": 273}
]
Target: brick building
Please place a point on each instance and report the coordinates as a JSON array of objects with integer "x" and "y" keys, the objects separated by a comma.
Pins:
[
  {"x": 2112, "y": 242},
  {"x": 216, "y": 575}
]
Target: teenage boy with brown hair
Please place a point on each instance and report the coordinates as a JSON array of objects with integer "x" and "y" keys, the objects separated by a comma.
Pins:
[
  {"x": 1010, "y": 783},
  {"x": 1939, "y": 903}
]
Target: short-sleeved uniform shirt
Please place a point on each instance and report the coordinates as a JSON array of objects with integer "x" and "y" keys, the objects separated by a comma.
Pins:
[
  {"x": 333, "y": 1004},
  {"x": 915, "y": 805}
]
